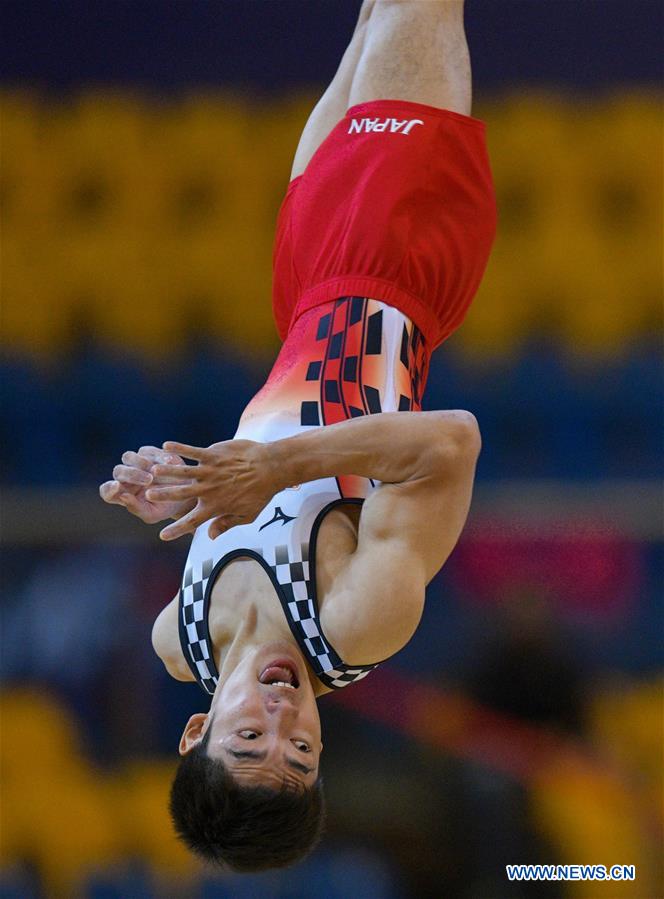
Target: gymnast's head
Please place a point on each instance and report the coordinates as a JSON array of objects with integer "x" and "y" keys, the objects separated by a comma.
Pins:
[{"x": 247, "y": 794}]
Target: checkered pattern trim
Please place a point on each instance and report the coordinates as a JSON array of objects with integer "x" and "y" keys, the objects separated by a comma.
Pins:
[
  {"x": 194, "y": 631},
  {"x": 352, "y": 365},
  {"x": 337, "y": 679},
  {"x": 356, "y": 370},
  {"x": 291, "y": 569}
]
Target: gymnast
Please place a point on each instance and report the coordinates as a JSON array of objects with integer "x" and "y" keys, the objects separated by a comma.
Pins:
[{"x": 317, "y": 528}]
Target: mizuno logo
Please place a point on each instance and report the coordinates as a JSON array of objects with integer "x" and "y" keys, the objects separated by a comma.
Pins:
[
  {"x": 278, "y": 516},
  {"x": 392, "y": 125}
]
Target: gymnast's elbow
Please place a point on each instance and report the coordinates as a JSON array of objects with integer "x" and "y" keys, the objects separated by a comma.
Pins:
[{"x": 458, "y": 442}]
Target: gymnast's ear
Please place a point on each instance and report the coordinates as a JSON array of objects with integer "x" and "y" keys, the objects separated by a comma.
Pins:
[{"x": 193, "y": 733}]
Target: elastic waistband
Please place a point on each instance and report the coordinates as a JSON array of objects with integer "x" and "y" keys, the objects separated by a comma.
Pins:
[{"x": 377, "y": 289}]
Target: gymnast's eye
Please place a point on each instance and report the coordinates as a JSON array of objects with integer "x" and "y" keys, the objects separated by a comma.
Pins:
[
  {"x": 301, "y": 745},
  {"x": 248, "y": 734}
]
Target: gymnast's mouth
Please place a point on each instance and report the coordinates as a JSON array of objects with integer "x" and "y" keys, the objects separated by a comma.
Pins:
[{"x": 280, "y": 673}]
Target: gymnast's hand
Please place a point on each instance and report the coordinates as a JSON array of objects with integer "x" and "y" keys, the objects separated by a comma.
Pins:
[
  {"x": 136, "y": 474},
  {"x": 231, "y": 484}
]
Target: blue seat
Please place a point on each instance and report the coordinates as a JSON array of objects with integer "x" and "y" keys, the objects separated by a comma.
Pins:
[
  {"x": 123, "y": 883},
  {"x": 630, "y": 413},
  {"x": 112, "y": 403},
  {"x": 211, "y": 385},
  {"x": 327, "y": 874},
  {"x": 38, "y": 440},
  {"x": 18, "y": 883}
]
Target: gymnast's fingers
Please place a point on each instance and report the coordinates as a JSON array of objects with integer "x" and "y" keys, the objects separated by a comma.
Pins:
[
  {"x": 155, "y": 455},
  {"x": 171, "y": 493},
  {"x": 127, "y": 474},
  {"x": 185, "y": 525},
  {"x": 131, "y": 503},
  {"x": 110, "y": 491},
  {"x": 136, "y": 460},
  {"x": 180, "y": 472},
  {"x": 198, "y": 453}
]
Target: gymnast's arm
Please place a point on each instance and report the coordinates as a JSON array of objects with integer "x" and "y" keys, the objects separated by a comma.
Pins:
[
  {"x": 408, "y": 526},
  {"x": 425, "y": 461}
]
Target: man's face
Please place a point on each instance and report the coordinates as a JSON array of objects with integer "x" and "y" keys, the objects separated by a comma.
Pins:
[{"x": 265, "y": 725}]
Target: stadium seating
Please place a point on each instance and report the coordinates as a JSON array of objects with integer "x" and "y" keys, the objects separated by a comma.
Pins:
[
  {"x": 136, "y": 253},
  {"x": 122, "y": 843},
  {"x": 544, "y": 413},
  {"x": 138, "y": 211}
]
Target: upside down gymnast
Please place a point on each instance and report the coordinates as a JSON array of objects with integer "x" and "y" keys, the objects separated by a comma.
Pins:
[{"x": 317, "y": 528}]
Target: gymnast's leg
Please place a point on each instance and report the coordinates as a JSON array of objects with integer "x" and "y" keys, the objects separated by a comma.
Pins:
[
  {"x": 401, "y": 50},
  {"x": 333, "y": 104},
  {"x": 414, "y": 50}
]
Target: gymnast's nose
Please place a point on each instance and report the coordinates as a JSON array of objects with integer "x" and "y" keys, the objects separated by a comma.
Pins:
[{"x": 282, "y": 705}]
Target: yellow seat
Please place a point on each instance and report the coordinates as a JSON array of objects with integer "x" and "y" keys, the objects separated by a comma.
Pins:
[
  {"x": 589, "y": 815},
  {"x": 497, "y": 320},
  {"x": 147, "y": 831},
  {"x": 205, "y": 148},
  {"x": 99, "y": 146},
  {"x": 579, "y": 188},
  {"x": 55, "y": 807},
  {"x": 619, "y": 207},
  {"x": 626, "y": 722},
  {"x": 140, "y": 213},
  {"x": 28, "y": 168}
]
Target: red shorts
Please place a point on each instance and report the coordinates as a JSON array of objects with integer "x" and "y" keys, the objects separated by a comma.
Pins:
[{"x": 396, "y": 204}]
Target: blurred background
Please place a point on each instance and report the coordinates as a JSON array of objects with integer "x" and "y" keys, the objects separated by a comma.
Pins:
[{"x": 146, "y": 146}]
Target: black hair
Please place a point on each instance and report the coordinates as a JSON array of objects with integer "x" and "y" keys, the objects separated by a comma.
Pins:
[{"x": 242, "y": 828}]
